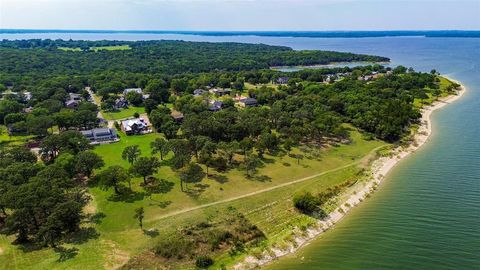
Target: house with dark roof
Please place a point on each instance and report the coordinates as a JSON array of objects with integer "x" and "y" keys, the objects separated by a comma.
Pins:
[
  {"x": 248, "y": 102},
  {"x": 283, "y": 80},
  {"x": 101, "y": 135},
  {"x": 73, "y": 100},
  {"x": 221, "y": 92},
  {"x": 199, "y": 92},
  {"x": 120, "y": 103},
  {"x": 215, "y": 106}
]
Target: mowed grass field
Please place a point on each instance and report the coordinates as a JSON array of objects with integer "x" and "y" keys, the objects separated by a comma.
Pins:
[
  {"x": 123, "y": 113},
  {"x": 96, "y": 49},
  {"x": 117, "y": 236}
]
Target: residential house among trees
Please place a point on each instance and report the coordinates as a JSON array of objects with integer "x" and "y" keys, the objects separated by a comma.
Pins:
[
  {"x": 248, "y": 102},
  {"x": 100, "y": 135},
  {"x": 73, "y": 100},
  {"x": 136, "y": 126},
  {"x": 282, "y": 80},
  {"x": 215, "y": 105}
]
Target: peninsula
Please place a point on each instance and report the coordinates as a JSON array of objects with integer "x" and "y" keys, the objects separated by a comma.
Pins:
[{"x": 173, "y": 154}]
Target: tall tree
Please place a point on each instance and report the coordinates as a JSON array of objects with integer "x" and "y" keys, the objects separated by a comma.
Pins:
[
  {"x": 145, "y": 166},
  {"x": 113, "y": 176},
  {"x": 86, "y": 162},
  {"x": 161, "y": 146},
  {"x": 131, "y": 153},
  {"x": 139, "y": 215},
  {"x": 192, "y": 173}
]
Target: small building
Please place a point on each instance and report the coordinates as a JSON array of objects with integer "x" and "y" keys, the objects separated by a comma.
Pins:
[
  {"x": 177, "y": 116},
  {"x": 283, "y": 80},
  {"x": 136, "y": 90},
  {"x": 248, "y": 102},
  {"x": 120, "y": 103},
  {"x": 221, "y": 92},
  {"x": 136, "y": 126},
  {"x": 27, "y": 96},
  {"x": 101, "y": 135},
  {"x": 199, "y": 92},
  {"x": 215, "y": 106},
  {"x": 72, "y": 104},
  {"x": 73, "y": 100}
]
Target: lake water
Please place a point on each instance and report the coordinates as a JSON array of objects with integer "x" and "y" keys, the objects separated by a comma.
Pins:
[{"x": 426, "y": 215}]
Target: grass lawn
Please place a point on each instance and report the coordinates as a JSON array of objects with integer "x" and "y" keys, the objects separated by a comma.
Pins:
[
  {"x": 111, "y": 48},
  {"x": 96, "y": 49},
  {"x": 124, "y": 113},
  {"x": 6, "y": 139},
  {"x": 120, "y": 238},
  {"x": 67, "y": 49}
]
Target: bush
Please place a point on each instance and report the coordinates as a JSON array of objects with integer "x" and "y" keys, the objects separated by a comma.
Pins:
[
  {"x": 306, "y": 202},
  {"x": 175, "y": 247},
  {"x": 204, "y": 262}
]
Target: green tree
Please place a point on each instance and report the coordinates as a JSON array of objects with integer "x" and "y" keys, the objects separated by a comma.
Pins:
[
  {"x": 251, "y": 164},
  {"x": 161, "y": 146},
  {"x": 192, "y": 173},
  {"x": 181, "y": 152},
  {"x": 86, "y": 162},
  {"x": 131, "y": 153},
  {"x": 145, "y": 166},
  {"x": 206, "y": 154},
  {"x": 113, "y": 176},
  {"x": 139, "y": 215}
]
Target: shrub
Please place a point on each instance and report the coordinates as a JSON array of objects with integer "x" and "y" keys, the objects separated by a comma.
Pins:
[
  {"x": 204, "y": 262},
  {"x": 306, "y": 202},
  {"x": 174, "y": 247}
]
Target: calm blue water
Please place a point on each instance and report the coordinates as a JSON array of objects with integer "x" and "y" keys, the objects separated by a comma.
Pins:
[{"x": 426, "y": 215}]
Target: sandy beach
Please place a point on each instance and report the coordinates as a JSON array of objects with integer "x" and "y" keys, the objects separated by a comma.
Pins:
[{"x": 379, "y": 169}]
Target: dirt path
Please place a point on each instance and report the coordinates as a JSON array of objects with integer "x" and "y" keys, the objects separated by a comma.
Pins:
[{"x": 186, "y": 210}]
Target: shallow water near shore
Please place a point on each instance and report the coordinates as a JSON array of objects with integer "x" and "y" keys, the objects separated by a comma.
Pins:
[{"x": 426, "y": 213}]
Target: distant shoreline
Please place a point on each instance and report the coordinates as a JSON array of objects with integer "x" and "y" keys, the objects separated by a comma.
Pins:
[
  {"x": 304, "y": 34},
  {"x": 379, "y": 169}
]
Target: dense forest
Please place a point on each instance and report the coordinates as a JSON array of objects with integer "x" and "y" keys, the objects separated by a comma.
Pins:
[{"x": 42, "y": 57}]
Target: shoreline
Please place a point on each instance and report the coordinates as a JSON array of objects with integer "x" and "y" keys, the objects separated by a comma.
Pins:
[{"x": 379, "y": 169}]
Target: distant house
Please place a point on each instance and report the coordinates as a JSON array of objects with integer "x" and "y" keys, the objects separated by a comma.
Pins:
[
  {"x": 120, "y": 103},
  {"x": 100, "y": 135},
  {"x": 177, "y": 116},
  {"x": 27, "y": 96},
  {"x": 72, "y": 104},
  {"x": 215, "y": 106},
  {"x": 73, "y": 100},
  {"x": 221, "y": 92},
  {"x": 136, "y": 90},
  {"x": 199, "y": 92},
  {"x": 248, "y": 102},
  {"x": 283, "y": 80},
  {"x": 136, "y": 126}
]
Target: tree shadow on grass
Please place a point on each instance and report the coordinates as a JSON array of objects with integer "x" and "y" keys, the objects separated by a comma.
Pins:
[
  {"x": 96, "y": 218},
  {"x": 267, "y": 160},
  {"x": 156, "y": 186},
  {"x": 197, "y": 190},
  {"x": 262, "y": 178},
  {"x": 65, "y": 253},
  {"x": 222, "y": 179},
  {"x": 127, "y": 196},
  {"x": 82, "y": 236}
]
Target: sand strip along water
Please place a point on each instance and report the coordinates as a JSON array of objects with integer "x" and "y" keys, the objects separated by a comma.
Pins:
[{"x": 379, "y": 169}]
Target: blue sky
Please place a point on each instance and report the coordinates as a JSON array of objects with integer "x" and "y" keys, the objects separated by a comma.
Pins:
[{"x": 241, "y": 14}]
